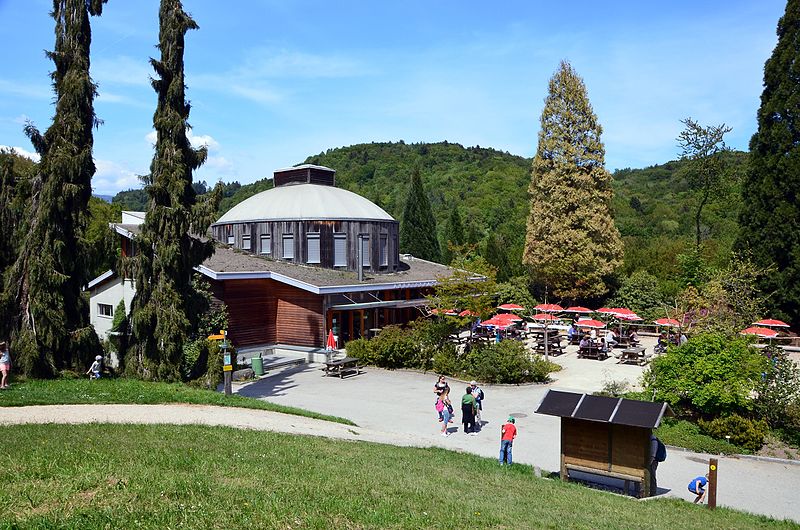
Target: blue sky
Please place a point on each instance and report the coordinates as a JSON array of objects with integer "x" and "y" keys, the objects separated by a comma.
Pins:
[{"x": 274, "y": 81}]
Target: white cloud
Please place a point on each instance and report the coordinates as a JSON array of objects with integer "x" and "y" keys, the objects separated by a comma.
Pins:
[
  {"x": 219, "y": 164},
  {"x": 197, "y": 140},
  {"x": 110, "y": 177},
  {"x": 271, "y": 63},
  {"x": 28, "y": 90},
  {"x": 21, "y": 152},
  {"x": 121, "y": 70}
]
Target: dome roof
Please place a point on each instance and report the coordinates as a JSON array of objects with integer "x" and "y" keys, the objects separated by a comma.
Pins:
[{"x": 304, "y": 202}]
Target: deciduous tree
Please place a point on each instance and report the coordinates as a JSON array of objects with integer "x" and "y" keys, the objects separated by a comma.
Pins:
[
  {"x": 770, "y": 219},
  {"x": 572, "y": 244},
  {"x": 703, "y": 147},
  {"x": 163, "y": 312}
]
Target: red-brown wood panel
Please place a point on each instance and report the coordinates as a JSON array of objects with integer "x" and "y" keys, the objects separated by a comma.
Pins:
[
  {"x": 299, "y": 318},
  {"x": 251, "y": 312}
]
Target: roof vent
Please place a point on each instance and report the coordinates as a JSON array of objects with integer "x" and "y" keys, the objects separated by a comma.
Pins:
[{"x": 305, "y": 174}]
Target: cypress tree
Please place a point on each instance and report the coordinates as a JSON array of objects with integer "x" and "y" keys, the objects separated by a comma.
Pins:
[
  {"x": 769, "y": 223},
  {"x": 51, "y": 331},
  {"x": 418, "y": 228},
  {"x": 572, "y": 244},
  {"x": 454, "y": 236},
  {"x": 163, "y": 309}
]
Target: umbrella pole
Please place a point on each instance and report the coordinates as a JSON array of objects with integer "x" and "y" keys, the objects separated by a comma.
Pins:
[{"x": 546, "y": 342}]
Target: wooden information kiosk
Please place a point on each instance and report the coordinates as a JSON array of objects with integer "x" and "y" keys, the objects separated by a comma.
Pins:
[{"x": 605, "y": 436}]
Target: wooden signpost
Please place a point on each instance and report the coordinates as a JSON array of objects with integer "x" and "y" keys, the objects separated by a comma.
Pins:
[
  {"x": 227, "y": 366},
  {"x": 712, "y": 483}
]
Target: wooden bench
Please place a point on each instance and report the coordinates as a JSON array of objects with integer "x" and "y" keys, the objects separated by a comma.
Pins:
[
  {"x": 592, "y": 352},
  {"x": 553, "y": 347},
  {"x": 342, "y": 366},
  {"x": 611, "y": 474}
]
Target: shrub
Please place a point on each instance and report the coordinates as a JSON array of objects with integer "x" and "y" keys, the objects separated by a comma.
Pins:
[
  {"x": 710, "y": 374},
  {"x": 361, "y": 349},
  {"x": 778, "y": 389},
  {"x": 682, "y": 433},
  {"x": 742, "y": 431},
  {"x": 448, "y": 362},
  {"x": 506, "y": 362},
  {"x": 394, "y": 347}
]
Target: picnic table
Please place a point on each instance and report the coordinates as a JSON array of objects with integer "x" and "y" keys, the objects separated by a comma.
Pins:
[
  {"x": 593, "y": 351},
  {"x": 632, "y": 355},
  {"x": 341, "y": 366},
  {"x": 624, "y": 341},
  {"x": 553, "y": 346}
]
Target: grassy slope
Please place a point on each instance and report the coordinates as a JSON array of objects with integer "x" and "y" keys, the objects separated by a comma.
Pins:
[
  {"x": 81, "y": 391},
  {"x": 120, "y": 476}
]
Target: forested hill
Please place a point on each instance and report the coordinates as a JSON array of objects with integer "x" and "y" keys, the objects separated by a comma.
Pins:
[{"x": 653, "y": 207}]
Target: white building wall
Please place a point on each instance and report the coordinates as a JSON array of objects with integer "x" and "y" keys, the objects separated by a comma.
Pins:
[{"x": 109, "y": 293}]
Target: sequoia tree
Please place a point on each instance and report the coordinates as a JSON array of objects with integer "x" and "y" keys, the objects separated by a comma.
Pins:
[
  {"x": 163, "y": 310},
  {"x": 770, "y": 219},
  {"x": 418, "y": 229},
  {"x": 51, "y": 329},
  {"x": 572, "y": 244}
]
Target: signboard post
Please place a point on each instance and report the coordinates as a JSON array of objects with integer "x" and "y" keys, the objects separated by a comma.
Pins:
[
  {"x": 227, "y": 366},
  {"x": 712, "y": 483}
]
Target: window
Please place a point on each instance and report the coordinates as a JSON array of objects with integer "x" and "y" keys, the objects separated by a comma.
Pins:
[
  {"x": 266, "y": 244},
  {"x": 384, "y": 251},
  {"x": 105, "y": 310},
  {"x": 246, "y": 242},
  {"x": 312, "y": 244},
  {"x": 231, "y": 239},
  {"x": 365, "y": 251},
  {"x": 288, "y": 247},
  {"x": 340, "y": 250}
]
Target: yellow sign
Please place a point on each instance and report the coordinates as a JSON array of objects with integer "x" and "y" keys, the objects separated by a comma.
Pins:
[
  {"x": 713, "y": 467},
  {"x": 227, "y": 368},
  {"x": 216, "y": 337}
]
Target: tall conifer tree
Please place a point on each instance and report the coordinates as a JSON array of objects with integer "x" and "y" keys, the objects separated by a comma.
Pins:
[
  {"x": 51, "y": 331},
  {"x": 454, "y": 236},
  {"x": 770, "y": 219},
  {"x": 418, "y": 229},
  {"x": 163, "y": 309},
  {"x": 572, "y": 243}
]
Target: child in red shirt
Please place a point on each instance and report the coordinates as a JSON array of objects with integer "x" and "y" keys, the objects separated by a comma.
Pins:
[{"x": 507, "y": 434}]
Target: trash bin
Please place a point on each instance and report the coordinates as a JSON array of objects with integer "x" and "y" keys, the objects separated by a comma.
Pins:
[{"x": 257, "y": 364}]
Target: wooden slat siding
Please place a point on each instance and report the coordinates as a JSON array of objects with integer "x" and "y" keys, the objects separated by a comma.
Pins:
[
  {"x": 585, "y": 443},
  {"x": 629, "y": 450},
  {"x": 251, "y": 312},
  {"x": 326, "y": 229},
  {"x": 299, "y": 319}
]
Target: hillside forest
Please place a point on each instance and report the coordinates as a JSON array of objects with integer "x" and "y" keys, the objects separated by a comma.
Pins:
[{"x": 653, "y": 207}]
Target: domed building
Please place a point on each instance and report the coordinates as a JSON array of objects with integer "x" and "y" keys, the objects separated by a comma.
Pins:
[{"x": 295, "y": 261}]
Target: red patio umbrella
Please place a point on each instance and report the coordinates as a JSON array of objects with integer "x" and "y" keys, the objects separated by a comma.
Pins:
[
  {"x": 605, "y": 311},
  {"x": 468, "y": 313},
  {"x": 771, "y": 323},
  {"x": 495, "y": 322},
  {"x": 330, "y": 345},
  {"x": 632, "y": 317},
  {"x": 549, "y": 307},
  {"x": 590, "y": 323},
  {"x": 510, "y": 307},
  {"x": 448, "y": 312},
  {"x": 507, "y": 317},
  {"x": 545, "y": 316},
  {"x": 670, "y": 322},
  {"x": 760, "y": 332},
  {"x": 578, "y": 309}
]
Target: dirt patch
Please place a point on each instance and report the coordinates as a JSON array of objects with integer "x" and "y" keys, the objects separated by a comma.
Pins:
[{"x": 775, "y": 448}]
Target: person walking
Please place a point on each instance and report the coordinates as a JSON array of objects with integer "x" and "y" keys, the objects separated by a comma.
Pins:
[
  {"x": 468, "y": 411},
  {"x": 657, "y": 453},
  {"x": 445, "y": 409},
  {"x": 507, "y": 434},
  {"x": 477, "y": 393},
  {"x": 5, "y": 364},
  {"x": 438, "y": 388}
]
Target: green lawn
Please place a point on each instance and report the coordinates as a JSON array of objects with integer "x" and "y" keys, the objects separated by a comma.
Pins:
[
  {"x": 131, "y": 476},
  {"x": 82, "y": 391}
]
